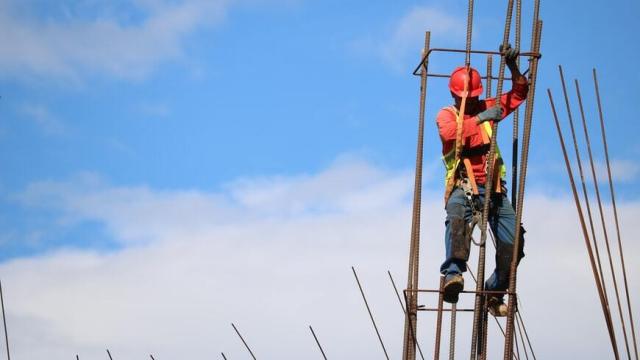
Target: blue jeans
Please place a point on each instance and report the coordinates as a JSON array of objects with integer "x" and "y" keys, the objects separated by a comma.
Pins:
[{"x": 502, "y": 222}]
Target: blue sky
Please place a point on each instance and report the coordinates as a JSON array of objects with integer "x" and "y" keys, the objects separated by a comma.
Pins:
[
  {"x": 146, "y": 108},
  {"x": 142, "y": 95}
]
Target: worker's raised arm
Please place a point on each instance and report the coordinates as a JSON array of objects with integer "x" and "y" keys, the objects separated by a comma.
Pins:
[{"x": 519, "y": 89}]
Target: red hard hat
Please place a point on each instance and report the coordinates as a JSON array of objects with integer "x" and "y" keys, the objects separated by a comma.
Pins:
[{"x": 458, "y": 78}]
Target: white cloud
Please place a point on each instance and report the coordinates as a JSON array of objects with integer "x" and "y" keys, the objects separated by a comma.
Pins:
[
  {"x": 624, "y": 171},
  {"x": 44, "y": 120},
  {"x": 69, "y": 46},
  {"x": 406, "y": 37},
  {"x": 273, "y": 256}
]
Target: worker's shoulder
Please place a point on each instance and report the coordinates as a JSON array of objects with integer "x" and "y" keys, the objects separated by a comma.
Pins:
[{"x": 447, "y": 112}]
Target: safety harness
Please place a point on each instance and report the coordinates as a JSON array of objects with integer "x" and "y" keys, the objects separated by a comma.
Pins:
[
  {"x": 460, "y": 172},
  {"x": 456, "y": 175}
]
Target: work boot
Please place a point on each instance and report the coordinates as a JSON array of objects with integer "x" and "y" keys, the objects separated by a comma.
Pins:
[
  {"x": 453, "y": 284},
  {"x": 496, "y": 306}
]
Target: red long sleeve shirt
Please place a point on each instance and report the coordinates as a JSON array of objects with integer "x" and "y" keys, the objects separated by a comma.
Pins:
[{"x": 473, "y": 135}]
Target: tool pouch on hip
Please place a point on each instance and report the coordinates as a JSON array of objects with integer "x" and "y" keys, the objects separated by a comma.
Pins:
[{"x": 460, "y": 239}]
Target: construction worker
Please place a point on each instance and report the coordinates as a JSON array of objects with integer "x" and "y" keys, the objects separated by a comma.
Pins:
[{"x": 466, "y": 177}]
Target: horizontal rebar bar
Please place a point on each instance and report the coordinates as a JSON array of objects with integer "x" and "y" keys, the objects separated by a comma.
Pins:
[
  {"x": 486, "y": 292},
  {"x": 415, "y": 71},
  {"x": 448, "y": 76}
]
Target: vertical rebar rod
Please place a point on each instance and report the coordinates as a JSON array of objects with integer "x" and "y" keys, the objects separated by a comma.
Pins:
[
  {"x": 4, "y": 322},
  {"x": 494, "y": 318},
  {"x": 467, "y": 60},
  {"x": 602, "y": 219},
  {"x": 484, "y": 323},
  {"x": 487, "y": 195},
  {"x": 317, "y": 342},
  {"x": 244, "y": 342},
  {"x": 583, "y": 227},
  {"x": 77, "y": 357},
  {"x": 524, "y": 327},
  {"x": 485, "y": 331},
  {"x": 615, "y": 211},
  {"x": 395, "y": 288},
  {"x": 452, "y": 334},
  {"x": 602, "y": 288},
  {"x": 517, "y": 346},
  {"x": 109, "y": 353},
  {"x": 489, "y": 76},
  {"x": 436, "y": 350},
  {"x": 584, "y": 187},
  {"x": 411, "y": 319},
  {"x": 373, "y": 321},
  {"x": 524, "y": 346},
  {"x": 524, "y": 159},
  {"x": 516, "y": 113}
]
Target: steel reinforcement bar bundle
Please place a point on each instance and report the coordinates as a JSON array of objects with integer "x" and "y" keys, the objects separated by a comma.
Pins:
[{"x": 625, "y": 313}]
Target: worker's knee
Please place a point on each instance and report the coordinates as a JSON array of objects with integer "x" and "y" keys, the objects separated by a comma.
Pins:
[
  {"x": 456, "y": 207},
  {"x": 505, "y": 243},
  {"x": 460, "y": 240}
]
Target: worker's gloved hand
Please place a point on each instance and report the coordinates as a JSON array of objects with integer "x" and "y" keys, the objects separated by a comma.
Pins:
[
  {"x": 492, "y": 113},
  {"x": 510, "y": 54}
]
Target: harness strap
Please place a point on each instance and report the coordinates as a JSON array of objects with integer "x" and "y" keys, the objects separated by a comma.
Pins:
[
  {"x": 497, "y": 169},
  {"x": 471, "y": 175},
  {"x": 459, "y": 143}
]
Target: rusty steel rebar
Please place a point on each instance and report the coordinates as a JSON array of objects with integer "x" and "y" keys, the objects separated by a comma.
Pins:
[
  {"x": 583, "y": 227},
  {"x": 494, "y": 317},
  {"x": 318, "y": 342},
  {"x": 447, "y": 76},
  {"x": 436, "y": 349},
  {"x": 395, "y": 288},
  {"x": 524, "y": 160},
  {"x": 243, "y": 341},
  {"x": 483, "y": 321},
  {"x": 464, "y": 51},
  {"x": 603, "y": 288},
  {"x": 4, "y": 323},
  {"x": 524, "y": 328},
  {"x": 484, "y": 336},
  {"x": 452, "y": 332},
  {"x": 517, "y": 347},
  {"x": 584, "y": 187},
  {"x": 602, "y": 219},
  {"x": 467, "y": 60},
  {"x": 491, "y": 158},
  {"x": 411, "y": 319},
  {"x": 524, "y": 348},
  {"x": 516, "y": 113},
  {"x": 615, "y": 211},
  {"x": 373, "y": 321}
]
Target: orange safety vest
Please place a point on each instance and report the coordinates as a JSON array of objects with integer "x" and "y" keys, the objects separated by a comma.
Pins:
[{"x": 451, "y": 163}]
